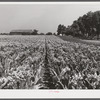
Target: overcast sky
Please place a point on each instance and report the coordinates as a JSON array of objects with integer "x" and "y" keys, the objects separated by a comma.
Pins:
[{"x": 44, "y": 17}]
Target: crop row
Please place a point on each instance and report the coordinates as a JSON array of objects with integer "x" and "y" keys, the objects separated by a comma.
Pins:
[
  {"x": 76, "y": 65},
  {"x": 48, "y": 62}
]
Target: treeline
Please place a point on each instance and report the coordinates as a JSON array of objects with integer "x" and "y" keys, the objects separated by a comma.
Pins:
[
  {"x": 24, "y": 32},
  {"x": 27, "y": 32},
  {"x": 87, "y": 26}
]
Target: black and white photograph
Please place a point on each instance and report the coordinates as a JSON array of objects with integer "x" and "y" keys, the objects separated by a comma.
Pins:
[{"x": 53, "y": 46}]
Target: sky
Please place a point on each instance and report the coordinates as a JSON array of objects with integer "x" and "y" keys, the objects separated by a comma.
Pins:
[{"x": 43, "y": 17}]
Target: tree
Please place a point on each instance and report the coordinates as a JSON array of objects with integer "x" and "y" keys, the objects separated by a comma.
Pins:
[
  {"x": 41, "y": 34},
  {"x": 54, "y": 33},
  {"x": 35, "y": 32},
  {"x": 49, "y": 33},
  {"x": 97, "y": 23},
  {"x": 61, "y": 29},
  {"x": 69, "y": 31},
  {"x": 86, "y": 26}
]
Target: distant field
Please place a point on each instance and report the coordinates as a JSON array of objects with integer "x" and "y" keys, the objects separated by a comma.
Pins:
[
  {"x": 71, "y": 39},
  {"x": 17, "y": 39}
]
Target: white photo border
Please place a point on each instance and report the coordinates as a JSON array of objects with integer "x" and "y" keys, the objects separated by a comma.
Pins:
[{"x": 30, "y": 94}]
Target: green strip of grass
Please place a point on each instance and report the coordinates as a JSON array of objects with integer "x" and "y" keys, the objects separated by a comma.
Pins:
[{"x": 72, "y": 39}]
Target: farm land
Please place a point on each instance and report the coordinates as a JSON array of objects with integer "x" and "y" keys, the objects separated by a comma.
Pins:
[{"x": 48, "y": 62}]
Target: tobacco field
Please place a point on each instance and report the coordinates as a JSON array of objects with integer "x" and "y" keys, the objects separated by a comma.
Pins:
[{"x": 48, "y": 62}]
